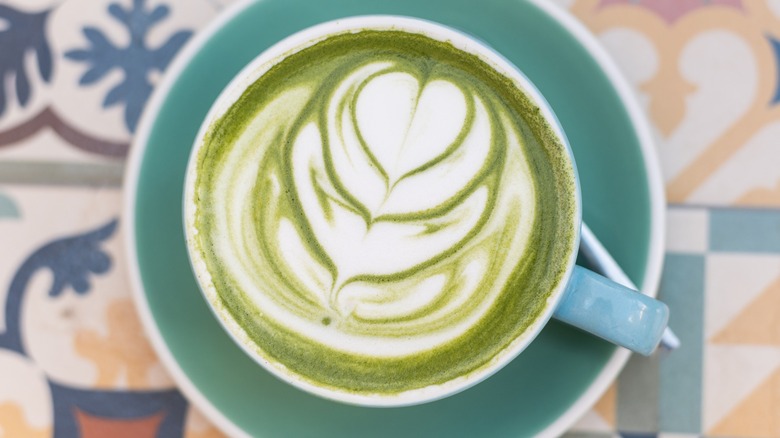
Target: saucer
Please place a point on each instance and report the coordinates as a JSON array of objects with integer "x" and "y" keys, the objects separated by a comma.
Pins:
[{"x": 542, "y": 392}]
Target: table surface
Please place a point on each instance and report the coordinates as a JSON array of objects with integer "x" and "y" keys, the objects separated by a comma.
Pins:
[{"x": 74, "y": 77}]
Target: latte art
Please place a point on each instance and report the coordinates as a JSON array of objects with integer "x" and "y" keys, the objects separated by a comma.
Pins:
[
  {"x": 375, "y": 221},
  {"x": 395, "y": 182}
]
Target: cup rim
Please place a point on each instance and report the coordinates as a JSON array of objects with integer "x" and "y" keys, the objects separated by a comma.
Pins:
[{"x": 306, "y": 38}]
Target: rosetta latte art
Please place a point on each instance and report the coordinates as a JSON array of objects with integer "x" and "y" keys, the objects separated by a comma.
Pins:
[{"x": 376, "y": 210}]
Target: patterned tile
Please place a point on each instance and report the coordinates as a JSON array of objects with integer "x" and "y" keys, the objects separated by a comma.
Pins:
[
  {"x": 722, "y": 283},
  {"x": 72, "y": 355},
  {"x": 706, "y": 72},
  {"x": 71, "y": 340}
]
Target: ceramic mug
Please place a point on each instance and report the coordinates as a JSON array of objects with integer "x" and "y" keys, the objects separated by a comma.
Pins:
[{"x": 583, "y": 299}]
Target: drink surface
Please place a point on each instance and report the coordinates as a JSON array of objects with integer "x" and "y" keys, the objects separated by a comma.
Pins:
[{"x": 381, "y": 212}]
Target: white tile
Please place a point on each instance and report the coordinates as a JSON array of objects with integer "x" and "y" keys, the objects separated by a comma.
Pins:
[
  {"x": 732, "y": 282},
  {"x": 687, "y": 230}
]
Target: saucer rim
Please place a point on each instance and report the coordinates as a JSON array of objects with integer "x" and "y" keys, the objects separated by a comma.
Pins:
[{"x": 589, "y": 42}]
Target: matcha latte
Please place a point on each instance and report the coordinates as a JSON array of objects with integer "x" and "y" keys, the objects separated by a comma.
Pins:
[{"x": 380, "y": 211}]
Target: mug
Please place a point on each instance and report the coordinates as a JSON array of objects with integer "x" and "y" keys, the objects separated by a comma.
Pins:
[{"x": 583, "y": 299}]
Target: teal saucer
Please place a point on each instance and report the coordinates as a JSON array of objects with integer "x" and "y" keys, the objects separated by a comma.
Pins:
[{"x": 548, "y": 386}]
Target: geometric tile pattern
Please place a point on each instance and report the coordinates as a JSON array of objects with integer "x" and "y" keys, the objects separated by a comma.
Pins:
[{"x": 725, "y": 301}]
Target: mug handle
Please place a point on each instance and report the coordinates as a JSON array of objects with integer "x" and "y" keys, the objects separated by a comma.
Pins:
[{"x": 612, "y": 312}]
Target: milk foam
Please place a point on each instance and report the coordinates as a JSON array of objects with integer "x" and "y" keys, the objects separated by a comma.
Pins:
[{"x": 376, "y": 209}]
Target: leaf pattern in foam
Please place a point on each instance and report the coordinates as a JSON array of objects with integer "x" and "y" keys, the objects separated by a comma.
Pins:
[
  {"x": 368, "y": 192},
  {"x": 398, "y": 148}
]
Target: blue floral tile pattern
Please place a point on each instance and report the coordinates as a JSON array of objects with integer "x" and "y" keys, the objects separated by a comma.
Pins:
[
  {"x": 25, "y": 33},
  {"x": 136, "y": 60}
]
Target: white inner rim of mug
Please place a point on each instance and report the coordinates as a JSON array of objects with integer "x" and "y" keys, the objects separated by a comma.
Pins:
[{"x": 307, "y": 38}]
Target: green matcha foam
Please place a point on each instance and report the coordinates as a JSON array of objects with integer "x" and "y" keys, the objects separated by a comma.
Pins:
[{"x": 381, "y": 212}]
